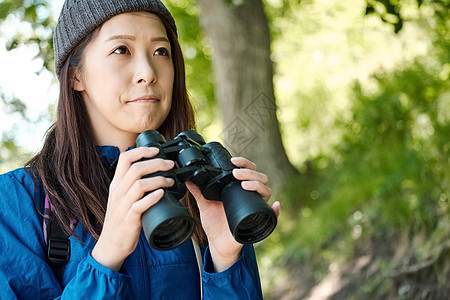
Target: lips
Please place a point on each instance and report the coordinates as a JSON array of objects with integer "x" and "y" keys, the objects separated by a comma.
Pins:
[{"x": 145, "y": 98}]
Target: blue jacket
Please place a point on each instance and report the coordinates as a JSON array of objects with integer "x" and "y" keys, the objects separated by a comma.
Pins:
[{"x": 145, "y": 274}]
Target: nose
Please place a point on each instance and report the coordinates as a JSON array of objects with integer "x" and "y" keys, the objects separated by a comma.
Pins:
[{"x": 145, "y": 71}]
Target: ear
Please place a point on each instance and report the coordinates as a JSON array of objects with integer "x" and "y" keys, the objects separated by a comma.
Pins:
[{"x": 75, "y": 80}]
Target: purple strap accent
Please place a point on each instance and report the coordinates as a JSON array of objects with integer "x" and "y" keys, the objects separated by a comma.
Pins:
[
  {"x": 73, "y": 223},
  {"x": 48, "y": 210}
]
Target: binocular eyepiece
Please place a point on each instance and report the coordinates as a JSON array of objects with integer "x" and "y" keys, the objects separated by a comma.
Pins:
[{"x": 168, "y": 224}]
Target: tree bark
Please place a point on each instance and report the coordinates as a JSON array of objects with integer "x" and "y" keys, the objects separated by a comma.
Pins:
[{"x": 243, "y": 72}]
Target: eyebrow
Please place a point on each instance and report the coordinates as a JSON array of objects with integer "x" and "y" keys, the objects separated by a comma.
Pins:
[
  {"x": 160, "y": 39},
  {"x": 130, "y": 37},
  {"x": 120, "y": 37}
]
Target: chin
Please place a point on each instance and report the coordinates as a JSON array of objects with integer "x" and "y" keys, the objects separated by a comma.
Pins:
[
  {"x": 145, "y": 122},
  {"x": 143, "y": 128}
]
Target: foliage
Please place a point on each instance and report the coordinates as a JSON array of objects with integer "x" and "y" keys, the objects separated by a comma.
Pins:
[
  {"x": 197, "y": 53},
  {"x": 391, "y": 11},
  {"x": 369, "y": 135},
  {"x": 37, "y": 14},
  {"x": 12, "y": 155},
  {"x": 388, "y": 172}
]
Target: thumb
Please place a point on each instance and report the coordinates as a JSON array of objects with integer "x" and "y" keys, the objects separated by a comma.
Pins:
[{"x": 195, "y": 191}]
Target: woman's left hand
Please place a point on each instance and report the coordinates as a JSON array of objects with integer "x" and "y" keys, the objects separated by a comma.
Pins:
[{"x": 223, "y": 247}]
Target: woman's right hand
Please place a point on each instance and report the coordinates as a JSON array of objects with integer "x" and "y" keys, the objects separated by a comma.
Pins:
[{"x": 122, "y": 225}]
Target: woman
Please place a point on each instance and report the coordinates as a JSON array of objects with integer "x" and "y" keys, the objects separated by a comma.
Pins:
[{"x": 121, "y": 72}]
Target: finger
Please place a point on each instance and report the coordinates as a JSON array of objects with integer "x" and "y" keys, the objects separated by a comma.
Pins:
[
  {"x": 142, "y": 168},
  {"x": 139, "y": 169},
  {"x": 242, "y": 162},
  {"x": 127, "y": 158},
  {"x": 142, "y": 186},
  {"x": 258, "y": 187},
  {"x": 276, "y": 206},
  {"x": 139, "y": 207},
  {"x": 248, "y": 174},
  {"x": 194, "y": 189},
  {"x": 202, "y": 202}
]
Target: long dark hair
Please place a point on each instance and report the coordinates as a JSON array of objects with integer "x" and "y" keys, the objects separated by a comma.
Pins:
[{"x": 69, "y": 166}]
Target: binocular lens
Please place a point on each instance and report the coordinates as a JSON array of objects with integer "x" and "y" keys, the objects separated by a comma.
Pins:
[
  {"x": 255, "y": 228},
  {"x": 167, "y": 224},
  {"x": 172, "y": 233},
  {"x": 250, "y": 218}
]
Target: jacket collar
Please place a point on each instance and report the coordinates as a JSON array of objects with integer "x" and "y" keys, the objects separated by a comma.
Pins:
[{"x": 110, "y": 154}]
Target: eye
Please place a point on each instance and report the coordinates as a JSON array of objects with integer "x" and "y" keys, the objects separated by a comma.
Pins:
[
  {"x": 121, "y": 50},
  {"x": 162, "y": 51}
]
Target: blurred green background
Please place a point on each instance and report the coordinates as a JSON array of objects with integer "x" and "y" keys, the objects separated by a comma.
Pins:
[{"x": 362, "y": 91}]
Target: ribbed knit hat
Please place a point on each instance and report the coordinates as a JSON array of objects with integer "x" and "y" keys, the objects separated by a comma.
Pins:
[{"x": 80, "y": 17}]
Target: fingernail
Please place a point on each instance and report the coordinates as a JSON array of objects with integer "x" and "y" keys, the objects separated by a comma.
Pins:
[
  {"x": 236, "y": 171},
  {"x": 153, "y": 149},
  {"x": 158, "y": 192}
]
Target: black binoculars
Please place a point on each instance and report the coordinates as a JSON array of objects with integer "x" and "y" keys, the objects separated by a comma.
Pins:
[{"x": 168, "y": 224}]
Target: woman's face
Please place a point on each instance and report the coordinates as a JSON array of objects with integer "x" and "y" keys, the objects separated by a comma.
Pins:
[{"x": 126, "y": 78}]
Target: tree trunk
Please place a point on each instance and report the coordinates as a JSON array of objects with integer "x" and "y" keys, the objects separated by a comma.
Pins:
[{"x": 240, "y": 37}]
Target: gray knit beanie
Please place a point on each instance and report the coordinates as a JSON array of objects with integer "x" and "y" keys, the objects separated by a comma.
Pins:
[{"x": 78, "y": 18}]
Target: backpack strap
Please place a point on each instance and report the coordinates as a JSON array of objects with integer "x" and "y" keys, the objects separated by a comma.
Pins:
[
  {"x": 58, "y": 243},
  {"x": 198, "y": 256}
]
